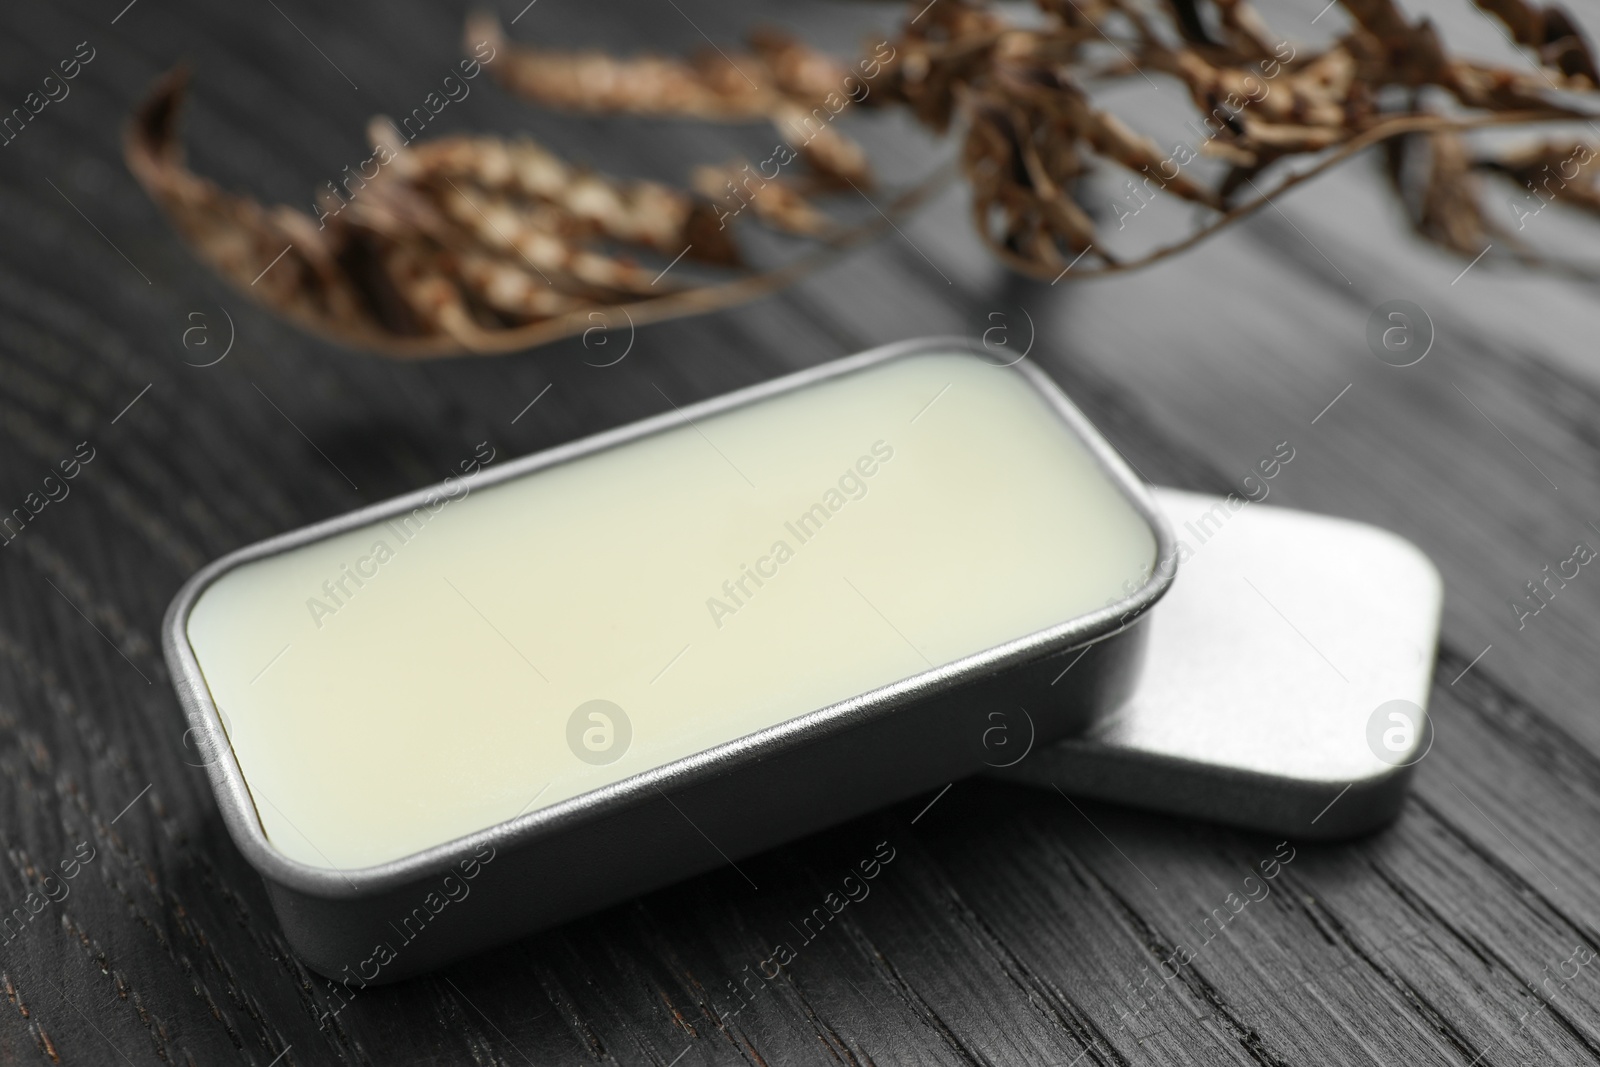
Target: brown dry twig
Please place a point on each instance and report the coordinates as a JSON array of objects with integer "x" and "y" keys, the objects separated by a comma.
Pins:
[
  {"x": 462, "y": 244},
  {"x": 478, "y": 244}
]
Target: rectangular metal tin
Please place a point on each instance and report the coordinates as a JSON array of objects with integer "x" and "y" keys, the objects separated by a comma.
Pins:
[
  {"x": 1238, "y": 717},
  {"x": 694, "y": 814}
]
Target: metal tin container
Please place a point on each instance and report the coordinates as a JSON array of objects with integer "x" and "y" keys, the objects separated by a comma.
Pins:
[
  {"x": 384, "y": 922},
  {"x": 1275, "y": 695}
]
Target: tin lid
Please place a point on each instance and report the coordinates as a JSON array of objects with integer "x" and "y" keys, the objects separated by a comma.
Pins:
[{"x": 1285, "y": 682}]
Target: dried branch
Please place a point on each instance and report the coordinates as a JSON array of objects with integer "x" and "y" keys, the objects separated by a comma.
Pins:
[
  {"x": 1411, "y": 124},
  {"x": 479, "y": 244},
  {"x": 462, "y": 244}
]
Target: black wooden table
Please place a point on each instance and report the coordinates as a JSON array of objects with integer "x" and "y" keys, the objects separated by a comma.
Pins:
[{"x": 1011, "y": 928}]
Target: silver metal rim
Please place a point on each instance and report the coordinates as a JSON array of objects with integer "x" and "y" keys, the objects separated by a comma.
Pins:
[{"x": 238, "y": 808}]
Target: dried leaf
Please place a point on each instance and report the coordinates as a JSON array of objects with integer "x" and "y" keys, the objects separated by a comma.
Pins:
[
  {"x": 712, "y": 87},
  {"x": 239, "y": 238},
  {"x": 1545, "y": 172},
  {"x": 452, "y": 242},
  {"x": 736, "y": 185},
  {"x": 1549, "y": 30},
  {"x": 1445, "y": 202},
  {"x": 780, "y": 80}
]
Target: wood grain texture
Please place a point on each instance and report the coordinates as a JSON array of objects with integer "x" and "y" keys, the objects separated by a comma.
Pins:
[{"x": 1012, "y": 927}]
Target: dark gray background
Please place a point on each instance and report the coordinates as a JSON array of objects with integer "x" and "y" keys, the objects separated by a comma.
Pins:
[{"x": 1010, "y": 926}]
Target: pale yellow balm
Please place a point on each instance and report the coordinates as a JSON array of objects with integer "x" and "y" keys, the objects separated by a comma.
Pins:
[{"x": 393, "y": 688}]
